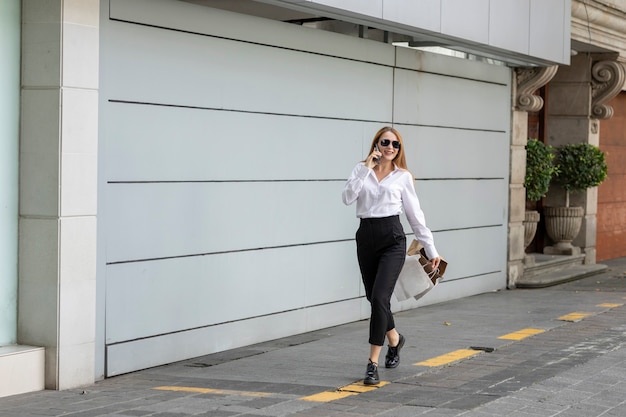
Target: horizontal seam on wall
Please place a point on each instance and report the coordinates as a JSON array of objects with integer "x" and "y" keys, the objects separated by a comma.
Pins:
[
  {"x": 227, "y": 252},
  {"x": 166, "y": 258},
  {"x": 283, "y": 180},
  {"x": 191, "y": 32},
  {"x": 233, "y": 321},
  {"x": 305, "y": 116},
  {"x": 222, "y": 181}
]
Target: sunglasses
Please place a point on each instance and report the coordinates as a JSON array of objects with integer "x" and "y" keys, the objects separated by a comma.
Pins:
[{"x": 386, "y": 142}]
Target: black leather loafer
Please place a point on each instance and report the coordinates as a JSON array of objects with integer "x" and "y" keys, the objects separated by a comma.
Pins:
[
  {"x": 392, "y": 359},
  {"x": 371, "y": 374}
]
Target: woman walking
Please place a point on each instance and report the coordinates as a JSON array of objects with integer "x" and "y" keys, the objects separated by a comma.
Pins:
[{"x": 383, "y": 188}]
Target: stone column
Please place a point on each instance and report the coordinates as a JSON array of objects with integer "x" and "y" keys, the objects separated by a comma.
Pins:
[
  {"x": 58, "y": 186},
  {"x": 517, "y": 199},
  {"x": 527, "y": 82},
  {"x": 577, "y": 104}
]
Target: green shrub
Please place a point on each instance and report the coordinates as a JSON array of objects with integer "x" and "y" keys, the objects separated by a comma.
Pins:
[
  {"x": 539, "y": 169},
  {"x": 581, "y": 166}
]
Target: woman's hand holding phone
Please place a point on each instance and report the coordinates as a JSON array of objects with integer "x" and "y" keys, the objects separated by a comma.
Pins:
[{"x": 374, "y": 158}]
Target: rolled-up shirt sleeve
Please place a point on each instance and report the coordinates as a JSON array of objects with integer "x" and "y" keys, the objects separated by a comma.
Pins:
[{"x": 416, "y": 218}]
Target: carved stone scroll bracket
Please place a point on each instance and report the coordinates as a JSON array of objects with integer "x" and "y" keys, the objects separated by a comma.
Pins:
[
  {"x": 529, "y": 79},
  {"x": 607, "y": 81}
]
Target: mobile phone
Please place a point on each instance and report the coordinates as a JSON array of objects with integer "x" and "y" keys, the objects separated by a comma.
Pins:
[{"x": 377, "y": 160}]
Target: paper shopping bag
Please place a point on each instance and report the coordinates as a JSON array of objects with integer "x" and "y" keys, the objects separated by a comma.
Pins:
[
  {"x": 416, "y": 248},
  {"x": 417, "y": 277},
  {"x": 413, "y": 282}
]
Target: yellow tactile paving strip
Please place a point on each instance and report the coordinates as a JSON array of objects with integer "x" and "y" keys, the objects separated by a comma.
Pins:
[
  {"x": 576, "y": 316},
  {"x": 214, "y": 391},
  {"x": 360, "y": 387},
  {"x": 521, "y": 334},
  {"x": 324, "y": 397},
  {"x": 448, "y": 357},
  {"x": 343, "y": 392},
  {"x": 579, "y": 315}
]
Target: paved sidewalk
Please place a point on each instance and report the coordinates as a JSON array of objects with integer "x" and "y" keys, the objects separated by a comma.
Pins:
[{"x": 507, "y": 353}]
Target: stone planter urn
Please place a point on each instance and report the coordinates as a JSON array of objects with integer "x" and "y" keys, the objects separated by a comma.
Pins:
[
  {"x": 580, "y": 167},
  {"x": 531, "y": 219},
  {"x": 562, "y": 226},
  {"x": 539, "y": 172}
]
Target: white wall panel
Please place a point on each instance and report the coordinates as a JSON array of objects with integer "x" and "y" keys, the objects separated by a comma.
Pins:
[
  {"x": 178, "y": 219},
  {"x": 411, "y": 59},
  {"x": 458, "y": 204},
  {"x": 473, "y": 252},
  {"x": 434, "y": 152},
  {"x": 218, "y": 73},
  {"x": 207, "y": 21},
  {"x": 550, "y": 20},
  {"x": 364, "y": 7},
  {"x": 508, "y": 24},
  {"x": 172, "y": 347},
  {"x": 466, "y": 19},
  {"x": 435, "y": 100},
  {"x": 169, "y": 295},
  {"x": 157, "y": 143},
  {"x": 424, "y": 14}
]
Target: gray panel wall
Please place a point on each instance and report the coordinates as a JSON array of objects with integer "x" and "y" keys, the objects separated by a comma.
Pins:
[{"x": 225, "y": 143}]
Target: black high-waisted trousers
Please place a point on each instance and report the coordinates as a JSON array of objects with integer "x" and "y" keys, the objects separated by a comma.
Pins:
[{"x": 381, "y": 250}]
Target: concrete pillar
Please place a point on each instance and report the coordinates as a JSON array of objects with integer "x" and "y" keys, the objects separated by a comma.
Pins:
[
  {"x": 527, "y": 82},
  {"x": 58, "y": 186},
  {"x": 517, "y": 196}
]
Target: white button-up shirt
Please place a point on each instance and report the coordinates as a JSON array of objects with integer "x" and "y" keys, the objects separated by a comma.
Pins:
[{"x": 388, "y": 198}]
